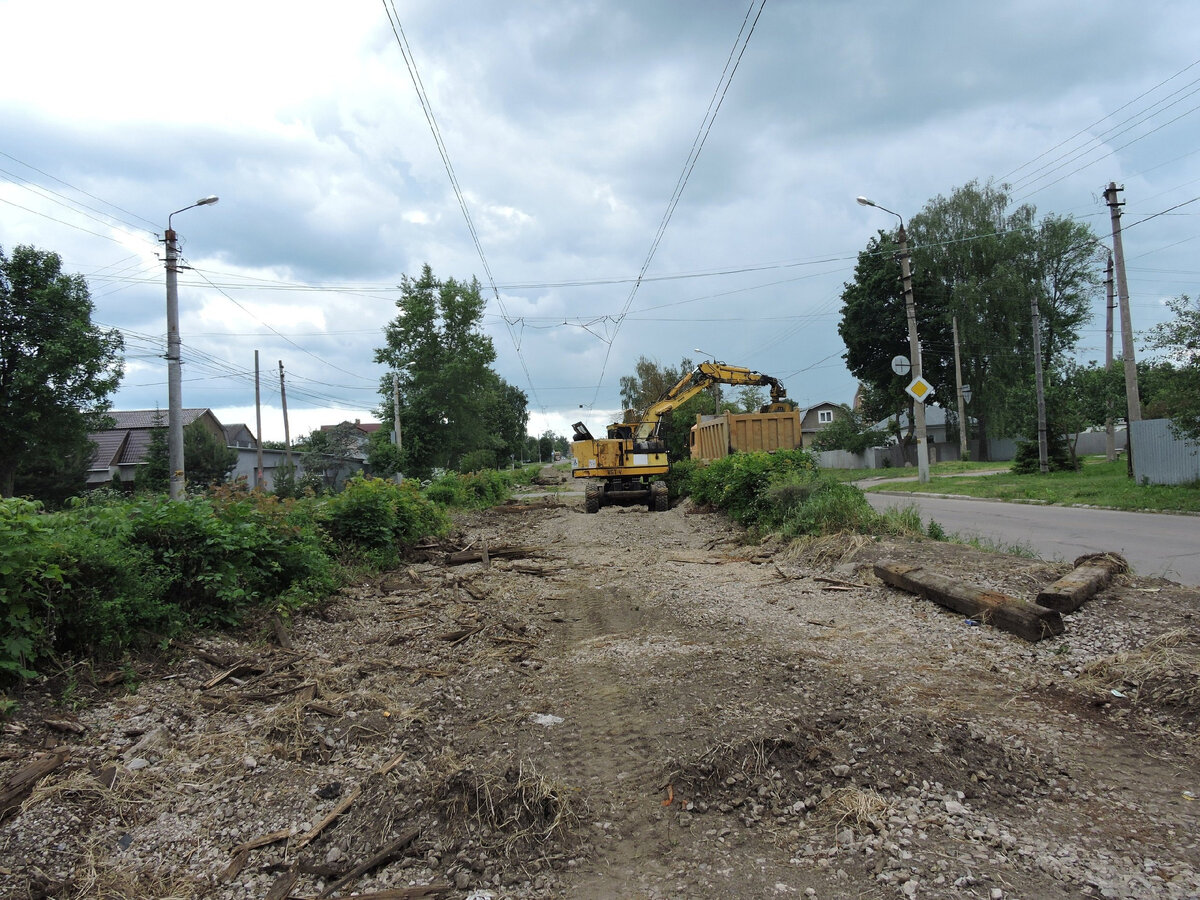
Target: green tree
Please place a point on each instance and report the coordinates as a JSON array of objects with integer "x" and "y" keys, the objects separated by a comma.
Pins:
[
  {"x": 154, "y": 474},
  {"x": 851, "y": 432},
  {"x": 977, "y": 260},
  {"x": 206, "y": 458},
  {"x": 323, "y": 455},
  {"x": 451, "y": 402},
  {"x": 57, "y": 369},
  {"x": 1179, "y": 341}
]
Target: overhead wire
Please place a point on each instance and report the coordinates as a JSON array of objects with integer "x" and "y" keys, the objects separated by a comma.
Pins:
[
  {"x": 732, "y": 62},
  {"x": 410, "y": 62}
]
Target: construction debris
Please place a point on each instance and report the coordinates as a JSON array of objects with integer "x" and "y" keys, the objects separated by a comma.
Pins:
[
  {"x": 1026, "y": 620},
  {"x": 1092, "y": 574}
]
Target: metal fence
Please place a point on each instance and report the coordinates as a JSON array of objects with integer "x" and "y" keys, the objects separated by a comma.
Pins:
[{"x": 1159, "y": 457}]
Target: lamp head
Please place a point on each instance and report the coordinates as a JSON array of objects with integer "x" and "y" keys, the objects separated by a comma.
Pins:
[
  {"x": 863, "y": 201},
  {"x": 208, "y": 201}
]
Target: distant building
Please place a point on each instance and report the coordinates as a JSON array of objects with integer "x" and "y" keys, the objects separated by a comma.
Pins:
[
  {"x": 122, "y": 448},
  {"x": 814, "y": 420}
]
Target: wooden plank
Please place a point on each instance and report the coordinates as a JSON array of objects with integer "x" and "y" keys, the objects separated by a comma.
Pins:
[
  {"x": 1091, "y": 574},
  {"x": 1011, "y": 614},
  {"x": 486, "y": 555},
  {"x": 22, "y": 782},
  {"x": 281, "y": 888}
]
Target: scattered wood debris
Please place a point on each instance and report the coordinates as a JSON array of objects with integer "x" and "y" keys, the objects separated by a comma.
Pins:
[
  {"x": 1026, "y": 620},
  {"x": 463, "y": 557},
  {"x": 22, "y": 782}
]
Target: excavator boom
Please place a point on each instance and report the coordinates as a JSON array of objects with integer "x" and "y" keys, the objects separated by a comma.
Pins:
[{"x": 623, "y": 466}]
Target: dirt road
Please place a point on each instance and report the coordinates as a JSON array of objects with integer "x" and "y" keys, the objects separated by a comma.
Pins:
[{"x": 635, "y": 705}]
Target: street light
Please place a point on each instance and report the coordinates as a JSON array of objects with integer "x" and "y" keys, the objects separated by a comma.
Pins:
[
  {"x": 174, "y": 376},
  {"x": 914, "y": 343}
]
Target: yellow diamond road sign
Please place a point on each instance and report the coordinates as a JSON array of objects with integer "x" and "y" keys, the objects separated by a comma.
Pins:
[{"x": 920, "y": 389}]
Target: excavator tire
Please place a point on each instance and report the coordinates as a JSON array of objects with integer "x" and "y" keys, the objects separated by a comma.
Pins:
[
  {"x": 592, "y": 495},
  {"x": 659, "y": 499}
]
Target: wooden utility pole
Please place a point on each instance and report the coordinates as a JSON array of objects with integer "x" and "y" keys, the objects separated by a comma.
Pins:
[
  {"x": 963, "y": 451},
  {"x": 1110, "y": 438},
  {"x": 287, "y": 437},
  {"x": 1132, "y": 400},
  {"x": 259, "y": 481},
  {"x": 1043, "y": 454}
]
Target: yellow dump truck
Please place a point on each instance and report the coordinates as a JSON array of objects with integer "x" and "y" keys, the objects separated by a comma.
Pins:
[
  {"x": 714, "y": 437},
  {"x": 627, "y": 466}
]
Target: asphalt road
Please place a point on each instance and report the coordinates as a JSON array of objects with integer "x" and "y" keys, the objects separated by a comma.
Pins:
[{"x": 1155, "y": 544}]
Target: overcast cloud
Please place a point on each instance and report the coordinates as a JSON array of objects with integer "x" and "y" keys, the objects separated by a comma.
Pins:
[{"x": 568, "y": 125}]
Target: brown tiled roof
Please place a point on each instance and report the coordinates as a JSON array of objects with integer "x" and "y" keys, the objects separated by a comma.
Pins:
[
  {"x": 146, "y": 418},
  {"x": 108, "y": 448}
]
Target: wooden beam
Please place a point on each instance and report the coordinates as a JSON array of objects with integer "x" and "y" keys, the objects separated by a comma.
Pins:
[
  {"x": 1091, "y": 574},
  {"x": 1026, "y": 620}
]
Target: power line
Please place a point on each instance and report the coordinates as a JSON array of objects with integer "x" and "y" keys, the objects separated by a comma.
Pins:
[
  {"x": 732, "y": 62},
  {"x": 389, "y": 7}
]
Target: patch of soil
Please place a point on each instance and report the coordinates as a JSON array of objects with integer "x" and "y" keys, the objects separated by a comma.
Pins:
[{"x": 631, "y": 705}]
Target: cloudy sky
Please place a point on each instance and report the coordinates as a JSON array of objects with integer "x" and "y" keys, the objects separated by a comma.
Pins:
[{"x": 715, "y": 148}]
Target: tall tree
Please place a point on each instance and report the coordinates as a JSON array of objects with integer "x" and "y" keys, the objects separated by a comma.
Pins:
[
  {"x": 57, "y": 369},
  {"x": 1179, "y": 340},
  {"x": 443, "y": 360},
  {"x": 207, "y": 459},
  {"x": 977, "y": 259}
]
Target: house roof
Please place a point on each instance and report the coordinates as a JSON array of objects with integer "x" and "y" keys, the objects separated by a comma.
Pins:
[
  {"x": 150, "y": 418},
  {"x": 364, "y": 427},
  {"x": 126, "y": 442}
]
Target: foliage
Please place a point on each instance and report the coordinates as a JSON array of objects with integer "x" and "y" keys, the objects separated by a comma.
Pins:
[
  {"x": 154, "y": 474},
  {"x": 738, "y": 483},
  {"x": 378, "y": 515},
  {"x": 1059, "y": 457},
  {"x": 975, "y": 259},
  {"x": 110, "y": 573},
  {"x": 57, "y": 368},
  {"x": 475, "y": 490},
  {"x": 1180, "y": 341},
  {"x": 451, "y": 401},
  {"x": 383, "y": 456},
  {"x": 850, "y": 432},
  {"x": 207, "y": 460}
]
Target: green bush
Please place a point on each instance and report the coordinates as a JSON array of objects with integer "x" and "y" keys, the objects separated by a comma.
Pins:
[
  {"x": 475, "y": 490},
  {"x": 30, "y": 578},
  {"x": 373, "y": 514},
  {"x": 738, "y": 483}
]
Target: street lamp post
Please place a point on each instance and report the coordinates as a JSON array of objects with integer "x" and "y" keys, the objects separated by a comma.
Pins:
[
  {"x": 174, "y": 376},
  {"x": 914, "y": 343}
]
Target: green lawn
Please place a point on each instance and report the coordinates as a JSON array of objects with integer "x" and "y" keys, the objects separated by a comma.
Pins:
[{"x": 1099, "y": 483}]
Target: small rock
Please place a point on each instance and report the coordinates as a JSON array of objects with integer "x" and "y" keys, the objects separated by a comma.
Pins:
[{"x": 841, "y": 771}]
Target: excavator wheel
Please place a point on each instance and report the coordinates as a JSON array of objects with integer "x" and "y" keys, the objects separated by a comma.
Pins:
[
  {"x": 592, "y": 495},
  {"x": 659, "y": 500}
]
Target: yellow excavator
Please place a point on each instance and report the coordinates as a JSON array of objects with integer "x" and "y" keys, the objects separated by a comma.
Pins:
[{"x": 628, "y": 465}]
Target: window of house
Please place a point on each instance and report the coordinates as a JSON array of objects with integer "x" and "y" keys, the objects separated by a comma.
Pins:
[{"x": 824, "y": 416}]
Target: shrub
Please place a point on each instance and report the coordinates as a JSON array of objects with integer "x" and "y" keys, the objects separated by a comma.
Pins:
[
  {"x": 29, "y": 580},
  {"x": 373, "y": 514},
  {"x": 739, "y": 482}
]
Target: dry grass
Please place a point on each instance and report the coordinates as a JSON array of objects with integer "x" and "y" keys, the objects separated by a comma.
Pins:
[
  {"x": 517, "y": 811},
  {"x": 857, "y": 808},
  {"x": 1164, "y": 672},
  {"x": 826, "y": 551}
]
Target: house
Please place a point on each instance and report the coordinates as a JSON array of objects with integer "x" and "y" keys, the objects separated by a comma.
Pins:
[
  {"x": 122, "y": 448},
  {"x": 815, "y": 418},
  {"x": 240, "y": 435}
]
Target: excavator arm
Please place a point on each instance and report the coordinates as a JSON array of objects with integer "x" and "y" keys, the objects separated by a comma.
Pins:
[{"x": 705, "y": 375}]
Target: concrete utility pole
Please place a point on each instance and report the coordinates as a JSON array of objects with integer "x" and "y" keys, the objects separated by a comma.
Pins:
[
  {"x": 1110, "y": 438},
  {"x": 177, "y": 479},
  {"x": 259, "y": 479},
  {"x": 1132, "y": 400},
  {"x": 914, "y": 342},
  {"x": 963, "y": 451},
  {"x": 396, "y": 411},
  {"x": 287, "y": 437},
  {"x": 1043, "y": 454}
]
